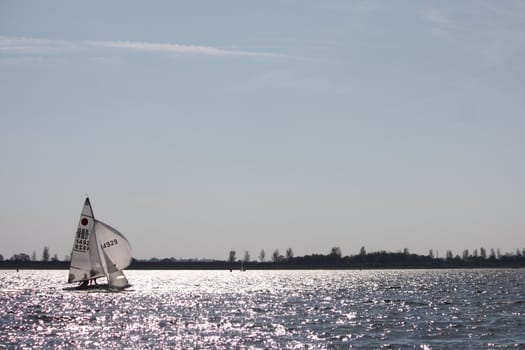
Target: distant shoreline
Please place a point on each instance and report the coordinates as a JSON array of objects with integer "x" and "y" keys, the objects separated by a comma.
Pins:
[{"x": 224, "y": 265}]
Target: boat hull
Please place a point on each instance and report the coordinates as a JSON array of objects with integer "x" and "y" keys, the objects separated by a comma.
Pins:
[{"x": 96, "y": 287}]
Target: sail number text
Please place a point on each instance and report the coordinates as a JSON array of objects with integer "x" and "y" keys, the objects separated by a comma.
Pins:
[
  {"x": 82, "y": 240},
  {"x": 109, "y": 243}
]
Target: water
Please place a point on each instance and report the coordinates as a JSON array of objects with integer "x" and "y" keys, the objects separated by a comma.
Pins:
[{"x": 436, "y": 309}]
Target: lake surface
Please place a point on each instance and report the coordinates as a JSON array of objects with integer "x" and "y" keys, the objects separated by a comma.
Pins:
[{"x": 414, "y": 309}]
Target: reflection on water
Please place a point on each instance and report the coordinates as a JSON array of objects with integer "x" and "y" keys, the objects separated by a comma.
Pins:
[{"x": 269, "y": 309}]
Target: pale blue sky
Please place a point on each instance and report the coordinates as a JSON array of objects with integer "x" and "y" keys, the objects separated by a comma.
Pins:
[{"x": 204, "y": 126}]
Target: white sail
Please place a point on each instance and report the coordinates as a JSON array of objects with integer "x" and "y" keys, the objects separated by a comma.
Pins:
[
  {"x": 115, "y": 251},
  {"x": 114, "y": 245},
  {"x": 82, "y": 266},
  {"x": 116, "y": 278},
  {"x": 99, "y": 250},
  {"x": 94, "y": 255}
]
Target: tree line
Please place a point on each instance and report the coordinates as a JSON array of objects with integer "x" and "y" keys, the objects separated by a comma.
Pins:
[
  {"x": 334, "y": 259},
  {"x": 478, "y": 257},
  {"x": 45, "y": 256},
  {"x": 466, "y": 255}
]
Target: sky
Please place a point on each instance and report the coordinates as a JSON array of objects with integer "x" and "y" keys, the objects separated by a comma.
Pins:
[{"x": 200, "y": 127}]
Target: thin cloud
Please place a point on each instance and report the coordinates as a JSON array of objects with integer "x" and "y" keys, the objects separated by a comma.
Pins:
[
  {"x": 442, "y": 20},
  {"x": 495, "y": 43},
  {"x": 438, "y": 17},
  {"x": 32, "y": 46},
  {"x": 194, "y": 50}
]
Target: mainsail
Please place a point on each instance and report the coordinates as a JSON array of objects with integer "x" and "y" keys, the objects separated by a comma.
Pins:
[
  {"x": 85, "y": 263},
  {"x": 98, "y": 250}
]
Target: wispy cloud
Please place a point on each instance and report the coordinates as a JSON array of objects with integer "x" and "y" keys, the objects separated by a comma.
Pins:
[
  {"x": 444, "y": 21},
  {"x": 23, "y": 45},
  {"x": 437, "y": 17},
  {"x": 195, "y": 50},
  {"x": 32, "y": 46},
  {"x": 495, "y": 42}
]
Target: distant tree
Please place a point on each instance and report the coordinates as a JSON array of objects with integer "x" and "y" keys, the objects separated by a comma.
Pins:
[
  {"x": 498, "y": 253},
  {"x": 518, "y": 252},
  {"x": 335, "y": 252},
  {"x": 1, "y": 257},
  {"x": 55, "y": 257},
  {"x": 21, "y": 257},
  {"x": 492, "y": 255},
  {"x": 275, "y": 255},
  {"x": 262, "y": 255},
  {"x": 289, "y": 254},
  {"x": 45, "y": 254},
  {"x": 33, "y": 256},
  {"x": 362, "y": 251},
  {"x": 231, "y": 258},
  {"x": 431, "y": 254},
  {"x": 246, "y": 256},
  {"x": 449, "y": 255},
  {"x": 475, "y": 253},
  {"x": 483, "y": 253},
  {"x": 465, "y": 254},
  {"x": 406, "y": 251}
]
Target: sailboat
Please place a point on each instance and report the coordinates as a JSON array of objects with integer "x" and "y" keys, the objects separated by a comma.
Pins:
[{"x": 99, "y": 250}]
